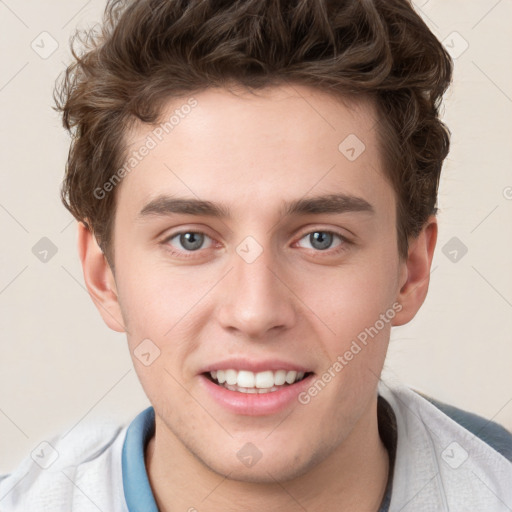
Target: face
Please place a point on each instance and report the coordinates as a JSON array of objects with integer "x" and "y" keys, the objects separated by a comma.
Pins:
[{"x": 256, "y": 242}]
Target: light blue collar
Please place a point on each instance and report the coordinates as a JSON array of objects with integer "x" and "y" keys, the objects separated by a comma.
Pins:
[{"x": 137, "y": 490}]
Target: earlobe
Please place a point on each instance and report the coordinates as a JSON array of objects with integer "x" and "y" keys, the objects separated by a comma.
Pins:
[
  {"x": 415, "y": 272},
  {"x": 99, "y": 279}
]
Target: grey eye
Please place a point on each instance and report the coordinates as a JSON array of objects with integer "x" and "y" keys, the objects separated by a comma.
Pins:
[
  {"x": 190, "y": 240},
  {"x": 321, "y": 240}
]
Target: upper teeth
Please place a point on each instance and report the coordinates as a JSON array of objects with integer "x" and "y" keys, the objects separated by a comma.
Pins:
[{"x": 247, "y": 379}]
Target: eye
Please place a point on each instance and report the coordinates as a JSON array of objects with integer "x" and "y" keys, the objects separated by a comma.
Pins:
[
  {"x": 322, "y": 240},
  {"x": 187, "y": 240}
]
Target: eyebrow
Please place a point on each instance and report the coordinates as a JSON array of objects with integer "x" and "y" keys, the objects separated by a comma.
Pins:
[{"x": 330, "y": 203}]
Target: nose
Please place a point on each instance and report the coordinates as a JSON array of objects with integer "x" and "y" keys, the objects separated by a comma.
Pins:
[{"x": 255, "y": 299}]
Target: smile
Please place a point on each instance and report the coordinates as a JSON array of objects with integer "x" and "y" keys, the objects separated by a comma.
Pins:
[{"x": 245, "y": 381}]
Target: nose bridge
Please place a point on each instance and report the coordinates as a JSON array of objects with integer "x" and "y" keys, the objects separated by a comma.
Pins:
[{"x": 254, "y": 300}]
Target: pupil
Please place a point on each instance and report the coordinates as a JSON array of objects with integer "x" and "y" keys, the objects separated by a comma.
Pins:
[
  {"x": 191, "y": 241},
  {"x": 320, "y": 240}
]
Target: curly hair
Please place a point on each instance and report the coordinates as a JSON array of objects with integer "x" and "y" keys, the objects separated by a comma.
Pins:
[{"x": 149, "y": 51}]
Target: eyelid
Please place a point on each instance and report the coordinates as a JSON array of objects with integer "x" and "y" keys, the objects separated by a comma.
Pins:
[
  {"x": 179, "y": 230},
  {"x": 337, "y": 249},
  {"x": 169, "y": 237},
  {"x": 345, "y": 240},
  {"x": 309, "y": 230}
]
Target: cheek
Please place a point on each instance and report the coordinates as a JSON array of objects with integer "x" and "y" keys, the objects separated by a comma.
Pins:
[
  {"x": 154, "y": 296},
  {"x": 358, "y": 294},
  {"x": 158, "y": 308},
  {"x": 165, "y": 306},
  {"x": 351, "y": 302}
]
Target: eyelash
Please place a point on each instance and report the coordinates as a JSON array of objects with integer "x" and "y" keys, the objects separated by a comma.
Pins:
[{"x": 191, "y": 254}]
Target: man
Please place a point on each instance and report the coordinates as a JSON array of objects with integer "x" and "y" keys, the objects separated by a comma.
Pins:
[{"x": 255, "y": 184}]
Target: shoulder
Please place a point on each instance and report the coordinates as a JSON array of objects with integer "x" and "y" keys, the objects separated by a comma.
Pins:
[
  {"x": 490, "y": 432},
  {"x": 447, "y": 458},
  {"x": 79, "y": 470}
]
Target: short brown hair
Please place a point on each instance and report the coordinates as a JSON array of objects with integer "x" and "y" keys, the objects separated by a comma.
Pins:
[{"x": 148, "y": 51}]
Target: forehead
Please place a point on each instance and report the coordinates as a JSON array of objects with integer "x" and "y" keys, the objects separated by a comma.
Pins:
[{"x": 257, "y": 149}]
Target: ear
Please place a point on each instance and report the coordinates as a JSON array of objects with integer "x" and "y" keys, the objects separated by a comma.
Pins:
[
  {"x": 99, "y": 279},
  {"x": 415, "y": 272}
]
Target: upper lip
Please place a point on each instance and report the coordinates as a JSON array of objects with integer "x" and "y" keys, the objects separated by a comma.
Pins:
[{"x": 252, "y": 365}]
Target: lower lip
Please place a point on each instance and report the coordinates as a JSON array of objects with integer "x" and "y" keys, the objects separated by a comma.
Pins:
[{"x": 256, "y": 404}]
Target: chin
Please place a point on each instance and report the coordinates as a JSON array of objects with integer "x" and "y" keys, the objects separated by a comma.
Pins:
[
  {"x": 264, "y": 474},
  {"x": 277, "y": 467}
]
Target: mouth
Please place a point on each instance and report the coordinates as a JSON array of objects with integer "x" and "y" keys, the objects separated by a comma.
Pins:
[{"x": 245, "y": 381}]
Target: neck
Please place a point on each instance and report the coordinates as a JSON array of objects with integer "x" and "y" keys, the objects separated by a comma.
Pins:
[{"x": 353, "y": 477}]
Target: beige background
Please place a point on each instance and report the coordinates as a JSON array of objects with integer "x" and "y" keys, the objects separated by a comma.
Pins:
[{"x": 60, "y": 364}]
